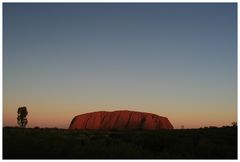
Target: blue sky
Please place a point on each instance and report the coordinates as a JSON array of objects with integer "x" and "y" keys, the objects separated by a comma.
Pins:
[{"x": 174, "y": 60}]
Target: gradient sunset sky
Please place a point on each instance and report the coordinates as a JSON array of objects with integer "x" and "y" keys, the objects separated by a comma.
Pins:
[{"x": 174, "y": 60}]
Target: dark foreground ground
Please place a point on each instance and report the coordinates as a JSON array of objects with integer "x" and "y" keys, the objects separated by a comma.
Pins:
[{"x": 207, "y": 143}]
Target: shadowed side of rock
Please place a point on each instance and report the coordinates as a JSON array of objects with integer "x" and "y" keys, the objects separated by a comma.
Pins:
[{"x": 120, "y": 120}]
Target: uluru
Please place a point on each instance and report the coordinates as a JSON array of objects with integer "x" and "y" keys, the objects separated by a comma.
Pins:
[{"x": 120, "y": 120}]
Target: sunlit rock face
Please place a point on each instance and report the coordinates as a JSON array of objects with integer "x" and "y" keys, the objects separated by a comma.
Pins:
[{"x": 120, "y": 120}]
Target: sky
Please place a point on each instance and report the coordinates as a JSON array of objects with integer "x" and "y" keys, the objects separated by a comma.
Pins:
[{"x": 173, "y": 60}]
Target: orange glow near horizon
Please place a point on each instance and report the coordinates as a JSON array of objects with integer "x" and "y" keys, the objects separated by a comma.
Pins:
[{"x": 49, "y": 117}]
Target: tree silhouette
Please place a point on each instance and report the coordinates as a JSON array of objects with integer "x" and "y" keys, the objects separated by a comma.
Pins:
[
  {"x": 21, "y": 119},
  {"x": 234, "y": 124}
]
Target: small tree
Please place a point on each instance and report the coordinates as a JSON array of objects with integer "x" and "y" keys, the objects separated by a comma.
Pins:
[
  {"x": 22, "y": 117},
  {"x": 234, "y": 124}
]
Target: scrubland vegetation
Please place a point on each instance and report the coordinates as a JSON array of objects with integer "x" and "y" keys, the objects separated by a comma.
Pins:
[{"x": 52, "y": 143}]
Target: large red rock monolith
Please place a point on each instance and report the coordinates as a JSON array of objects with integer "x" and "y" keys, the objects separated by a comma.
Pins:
[{"x": 120, "y": 120}]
